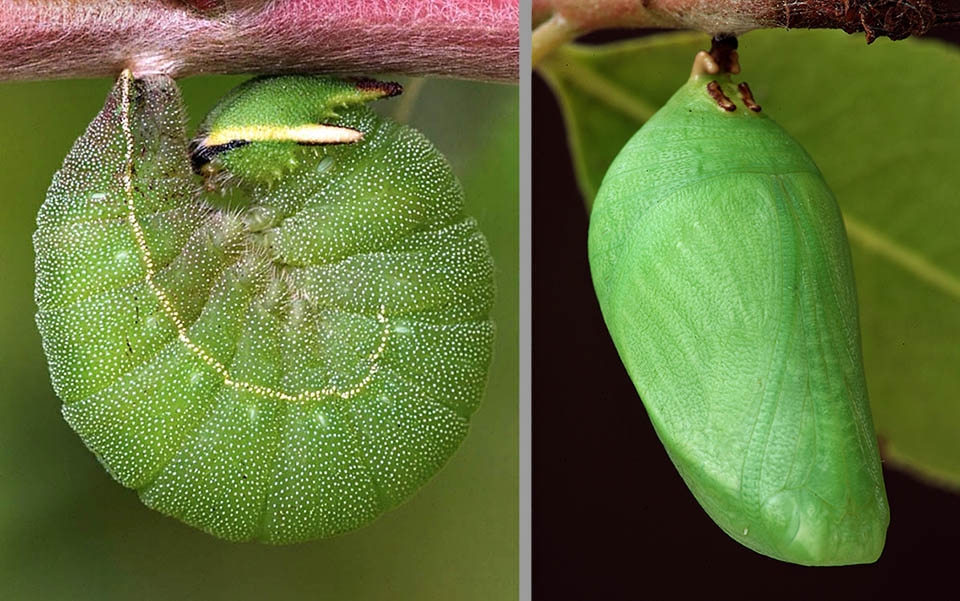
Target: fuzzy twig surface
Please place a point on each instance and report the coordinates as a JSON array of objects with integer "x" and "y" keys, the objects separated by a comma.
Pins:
[{"x": 471, "y": 39}]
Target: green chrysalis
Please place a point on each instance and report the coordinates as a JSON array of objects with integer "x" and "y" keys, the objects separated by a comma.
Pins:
[
  {"x": 280, "y": 372},
  {"x": 720, "y": 261}
]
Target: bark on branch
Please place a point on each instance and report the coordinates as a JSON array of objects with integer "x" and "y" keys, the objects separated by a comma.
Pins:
[
  {"x": 896, "y": 19},
  {"x": 472, "y": 39}
]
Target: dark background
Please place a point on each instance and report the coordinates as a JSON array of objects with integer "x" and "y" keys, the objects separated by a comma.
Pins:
[{"x": 612, "y": 519}]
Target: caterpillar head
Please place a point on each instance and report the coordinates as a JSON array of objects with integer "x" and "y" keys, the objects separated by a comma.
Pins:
[{"x": 265, "y": 127}]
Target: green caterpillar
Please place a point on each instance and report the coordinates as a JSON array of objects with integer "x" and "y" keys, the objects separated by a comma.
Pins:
[
  {"x": 720, "y": 261},
  {"x": 285, "y": 370}
]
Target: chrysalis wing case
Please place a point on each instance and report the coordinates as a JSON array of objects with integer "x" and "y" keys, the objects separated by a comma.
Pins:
[
  {"x": 280, "y": 372},
  {"x": 719, "y": 257}
]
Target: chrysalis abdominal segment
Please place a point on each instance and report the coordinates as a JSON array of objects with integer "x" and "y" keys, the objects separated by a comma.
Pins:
[
  {"x": 279, "y": 372},
  {"x": 126, "y": 79},
  {"x": 719, "y": 258}
]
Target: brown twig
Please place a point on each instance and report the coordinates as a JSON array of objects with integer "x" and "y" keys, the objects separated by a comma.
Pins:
[{"x": 896, "y": 19}]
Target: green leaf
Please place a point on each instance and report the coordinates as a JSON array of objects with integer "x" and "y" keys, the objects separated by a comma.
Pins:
[{"x": 880, "y": 121}]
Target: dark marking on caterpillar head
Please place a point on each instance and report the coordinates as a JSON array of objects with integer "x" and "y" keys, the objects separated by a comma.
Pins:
[
  {"x": 201, "y": 154},
  {"x": 747, "y": 97},
  {"x": 385, "y": 88},
  {"x": 713, "y": 88}
]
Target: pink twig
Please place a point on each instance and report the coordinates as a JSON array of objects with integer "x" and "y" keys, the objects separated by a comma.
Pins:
[{"x": 472, "y": 39}]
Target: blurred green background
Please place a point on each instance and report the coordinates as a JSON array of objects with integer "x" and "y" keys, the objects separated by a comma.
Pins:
[{"x": 67, "y": 530}]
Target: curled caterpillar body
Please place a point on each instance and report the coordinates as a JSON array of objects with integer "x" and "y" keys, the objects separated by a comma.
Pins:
[
  {"x": 280, "y": 372},
  {"x": 720, "y": 261}
]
